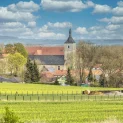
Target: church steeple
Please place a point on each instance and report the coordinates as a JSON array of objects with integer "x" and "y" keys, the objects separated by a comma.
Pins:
[
  {"x": 70, "y": 32},
  {"x": 70, "y": 39}
]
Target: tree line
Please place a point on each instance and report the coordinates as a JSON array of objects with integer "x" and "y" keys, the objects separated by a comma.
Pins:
[
  {"x": 87, "y": 56},
  {"x": 18, "y": 64},
  {"x": 110, "y": 59}
]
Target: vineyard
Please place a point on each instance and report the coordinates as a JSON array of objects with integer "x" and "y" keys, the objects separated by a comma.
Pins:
[{"x": 59, "y": 104}]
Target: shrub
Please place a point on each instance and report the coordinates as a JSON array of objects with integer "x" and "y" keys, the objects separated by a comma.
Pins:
[{"x": 9, "y": 117}]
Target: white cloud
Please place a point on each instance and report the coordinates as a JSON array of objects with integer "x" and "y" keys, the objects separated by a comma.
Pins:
[
  {"x": 100, "y": 32},
  {"x": 24, "y": 7},
  {"x": 15, "y": 29},
  {"x": 60, "y": 25},
  {"x": 44, "y": 28},
  {"x": 113, "y": 27},
  {"x": 65, "y": 5},
  {"x": 120, "y": 3},
  {"x": 95, "y": 28},
  {"x": 51, "y": 35},
  {"x": 6, "y": 15},
  {"x": 118, "y": 11},
  {"x": 114, "y": 20},
  {"x": 89, "y": 4},
  {"x": 81, "y": 30},
  {"x": 45, "y": 33},
  {"x": 104, "y": 20},
  {"x": 32, "y": 24},
  {"x": 102, "y": 9},
  {"x": 12, "y": 25}
]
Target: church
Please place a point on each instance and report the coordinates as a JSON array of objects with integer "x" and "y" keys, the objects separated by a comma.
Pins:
[{"x": 53, "y": 58}]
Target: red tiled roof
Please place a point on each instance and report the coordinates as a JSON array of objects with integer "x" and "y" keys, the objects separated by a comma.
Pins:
[
  {"x": 48, "y": 74},
  {"x": 73, "y": 72},
  {"x": 38, "y": 50},
  {"x": 60, "y": 73}
]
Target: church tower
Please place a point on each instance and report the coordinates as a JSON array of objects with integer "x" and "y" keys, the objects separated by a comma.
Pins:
[{"x": 69, "y": 48}]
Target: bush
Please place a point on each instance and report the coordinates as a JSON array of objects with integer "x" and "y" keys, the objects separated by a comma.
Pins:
[{"x": 9, "y": 117}]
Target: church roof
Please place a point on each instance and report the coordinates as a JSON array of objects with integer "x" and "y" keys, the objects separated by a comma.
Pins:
[
  {"x": 43, "y": 50},
  {"x": 49, "y": 59},
  {"x": 70, "y": 39}
]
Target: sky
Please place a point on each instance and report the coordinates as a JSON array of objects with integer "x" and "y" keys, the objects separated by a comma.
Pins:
[{"x": 48, "y": 21}]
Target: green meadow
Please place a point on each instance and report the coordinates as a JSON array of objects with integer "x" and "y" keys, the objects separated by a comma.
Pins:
[
  {"x": 39, "y": 103},
  {"x": 11, "y": 88},
  {"x": 65, "y": 112}
]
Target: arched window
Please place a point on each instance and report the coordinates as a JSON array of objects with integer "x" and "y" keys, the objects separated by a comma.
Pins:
[{"x": 68, "y": 46}]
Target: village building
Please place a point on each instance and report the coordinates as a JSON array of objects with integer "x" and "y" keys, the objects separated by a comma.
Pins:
[
  {"x": 53, "y": 58},
  {"x": 53, "y": 61}
]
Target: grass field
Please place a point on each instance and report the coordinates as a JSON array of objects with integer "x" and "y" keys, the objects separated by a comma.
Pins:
[
  {"x": 59, "y": 104},
  {"x": 64, "y": 112},
  {"x": 6, "y": 88}
]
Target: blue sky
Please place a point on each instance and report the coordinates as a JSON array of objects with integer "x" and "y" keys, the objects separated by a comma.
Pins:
[{"x": 44, "y": 20}]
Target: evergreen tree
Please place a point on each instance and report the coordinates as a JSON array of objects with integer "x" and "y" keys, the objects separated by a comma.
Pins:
[
  {"x": 56, "y": 82},
  {"x": 28, "y": 73},
  {"x": 35, "y": 73},
  {"x": 32, "y": 72},
  {"x": 69, "y": 77},
  {"x": 90, "y": 76},
  {"x": 102, "y": 81}
]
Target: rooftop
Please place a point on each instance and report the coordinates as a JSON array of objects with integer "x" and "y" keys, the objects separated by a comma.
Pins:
[{"x": 70, "y": 39}]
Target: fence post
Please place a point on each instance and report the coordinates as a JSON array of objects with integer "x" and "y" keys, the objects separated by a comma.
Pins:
[
  {"x": 67, "y": 97},
  {"x": 38, "y": 98},
  {"x": 95, "y": 97},
  {"x": 30, "y": 98},
  {"x": 53, "y": 97},
  {"x": 60, "y": 98},
  {"x": 74, "y": 97},
  {"x": 23, "y": 98},
  {"x": 7, "y": 97},
  {"x": 15, "y": 97}
]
